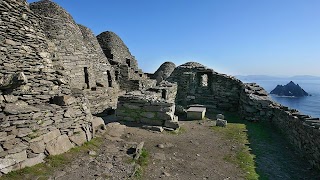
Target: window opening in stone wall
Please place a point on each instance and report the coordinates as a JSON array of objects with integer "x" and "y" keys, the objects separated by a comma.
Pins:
[
  {"x": 117, "y": 75},
  {"x": 128, "y": 62},
  {"x": 140, "y": 75},
  {"x": 109, "y": 79},
  {"x": 204, "y": 80},
  {"x": 86, "y": 77},
  {"x": 164, "y": 94}
]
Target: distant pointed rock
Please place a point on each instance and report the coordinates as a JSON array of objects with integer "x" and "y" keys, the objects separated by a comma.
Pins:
[{"x": 291, "y": 89}]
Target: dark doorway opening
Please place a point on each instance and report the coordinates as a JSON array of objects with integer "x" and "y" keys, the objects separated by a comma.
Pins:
[
  {"x": 164, "y": 94},
  {"x": 86, "y": 77},
  {"x": 128, "y": 61},
  {"x": 109, "y": 79}
]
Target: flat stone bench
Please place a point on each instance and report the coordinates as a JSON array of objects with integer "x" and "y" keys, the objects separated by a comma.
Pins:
[{"x": 196, "y": 113}]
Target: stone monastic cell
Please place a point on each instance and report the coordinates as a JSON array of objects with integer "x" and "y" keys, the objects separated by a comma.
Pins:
[{"x": 164, "y": 71}]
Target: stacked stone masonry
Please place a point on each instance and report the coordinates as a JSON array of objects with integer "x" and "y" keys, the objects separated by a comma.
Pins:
[
  {"x": 79, "y": 56},
  {"x": 127, "y": 73},
  {"x": 40, "y": 113},
  {"x": 54, "y": 73},
  {"x": 200, "y": 85},
  {"x": 154, "y": 106}
]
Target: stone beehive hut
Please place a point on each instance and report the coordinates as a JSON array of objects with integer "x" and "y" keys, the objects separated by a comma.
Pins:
[
  {"x": 79, "y": 56},
  {"x": 127, "y": 73},
  {"x": 40, "y": 113},
  {"x": 164, "y": 71},
  {"x": 115, "y": 50}
]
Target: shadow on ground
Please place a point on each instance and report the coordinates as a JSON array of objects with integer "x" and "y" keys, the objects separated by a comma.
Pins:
[{"x": 274, "y": 158}]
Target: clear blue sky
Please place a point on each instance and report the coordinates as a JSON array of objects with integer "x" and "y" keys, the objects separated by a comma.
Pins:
[{"x": 272, "y": 37}]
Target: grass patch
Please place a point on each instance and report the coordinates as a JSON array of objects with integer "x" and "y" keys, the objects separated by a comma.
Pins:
[
  {"x": 44, "y": 170},
  {"x": 237, "y": 134},
  {"x": 177, "y": 131},
  {"x": 142, "y": 162}
]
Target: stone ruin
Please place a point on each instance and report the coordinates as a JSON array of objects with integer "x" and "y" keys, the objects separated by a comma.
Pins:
[
  {"x": 54, "y": 74},
  {"x": 127, "y": 73},
  {"x": 154, "y": 106}
]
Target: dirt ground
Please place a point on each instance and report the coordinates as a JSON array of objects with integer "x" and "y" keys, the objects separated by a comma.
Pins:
[{"x": 196, "y": 153}]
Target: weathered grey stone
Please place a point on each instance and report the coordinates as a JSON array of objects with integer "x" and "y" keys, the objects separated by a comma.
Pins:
[
  {"x": 58, "y": 146},
  {"x": 172, "y": 124},
  {"x": 165, "y": 115},
  {"x": 88, "y": 132},
  {"x": 98, "y": 124},
  {"x": 24, "y": 132},
  {"x": 152, "y": 122},
  {"x": 50, "y": 136},
  {"x": 18, "y": 157},
  {"x": 19, "y": 107},
  {"x": 38, "y": 146},
  {"x": 79, "y": 138},
  {"x": 138, "y": 150},
  {"x": 10, "y": 98},
  {"x": 33, "y": 161},
  {"x": 12, "y": 81},
  {"x": 220, "y": 116},
  {"x": 130, "y": 106},
  {"x": 221, "y": 123},
  {"x": 63, "y": 100},
  {"x": 153, "y": 128},
  {"x": 148, "y": 114},
  {"x": 6, "y": 163}
]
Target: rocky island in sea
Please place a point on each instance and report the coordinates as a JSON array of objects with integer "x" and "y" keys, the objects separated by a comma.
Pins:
[{"x": 291, "y": 89}]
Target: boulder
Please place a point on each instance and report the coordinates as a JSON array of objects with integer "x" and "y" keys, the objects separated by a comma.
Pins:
[
  {"x": 221, "y": 123},
  {"x": 63, "y": 100},
  {"x": 138, "y": 150},
  {"x": 12, "y": 81},
  {"x": 98, "y": 124},
  {"x": 33, "y": 161},
  {"x": 172, "y": 124},
  {"x": 58, "y": 146},
  {"x": 79, "y": 138}
]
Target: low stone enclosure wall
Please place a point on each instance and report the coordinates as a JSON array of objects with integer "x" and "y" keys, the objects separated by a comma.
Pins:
[
  {"x": 302, "y": 131},
  {"x": 200, "y": 85},
  {"x": 154, "y": 106}
]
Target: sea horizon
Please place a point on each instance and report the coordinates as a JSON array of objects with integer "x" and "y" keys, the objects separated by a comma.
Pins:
[{"x": 309, "y": 105}]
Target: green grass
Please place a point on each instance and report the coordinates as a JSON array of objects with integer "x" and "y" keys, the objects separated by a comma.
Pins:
[
  {"x": 142, "y": 162},
  {"x": 236, "y": 132},
  {"x": 44, "y": 170},
  {"x": 179, "y": 131}
]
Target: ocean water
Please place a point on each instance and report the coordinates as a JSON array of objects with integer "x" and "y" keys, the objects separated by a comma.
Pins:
[{"x": 309, "y": 105}]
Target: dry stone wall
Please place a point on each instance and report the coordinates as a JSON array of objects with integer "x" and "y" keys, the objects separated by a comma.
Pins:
[
  {"x": 154, "y": 106},
  {"x": 302, "y": 131},
  {"x": 127, "y": 73},
  {"x": 40, "y": 113},
  {"x": 80, "y": 56},
  {"x": 200, "y": 85}
]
